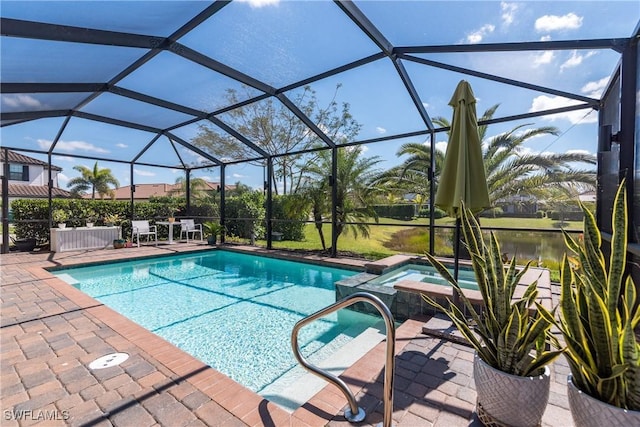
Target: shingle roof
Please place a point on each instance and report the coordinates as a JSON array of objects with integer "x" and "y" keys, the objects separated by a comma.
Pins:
[
  {"x": 25, "y": 160},
  {"x": 35, "y": 191}
]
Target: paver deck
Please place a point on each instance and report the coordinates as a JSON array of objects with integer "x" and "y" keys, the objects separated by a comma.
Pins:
[{"x": 51, "y": 332}]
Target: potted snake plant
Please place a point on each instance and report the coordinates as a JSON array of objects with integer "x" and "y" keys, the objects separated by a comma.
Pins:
[
  {"x": 511, "y": 336},
  {"x": 599, "y": 312}
]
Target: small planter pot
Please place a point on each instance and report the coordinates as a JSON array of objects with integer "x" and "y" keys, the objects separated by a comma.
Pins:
[
  {"x": 510, "y": 400},
  {"x": 62, "y": 225},
  {"x": 588, "y": 411},
  {"x": 89, "y": 225}
]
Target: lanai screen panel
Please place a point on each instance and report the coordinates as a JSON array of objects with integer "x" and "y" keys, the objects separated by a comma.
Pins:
[
  {"x": 16, "y": 102},
  {"x": 62, "y": 62},
  {"x": 264, "y": 42},
  {"x": 131, "y": 110},
  {"x": 176, "y": 79},
  {"x": 101, "y": 140},
  {"x": 32, "y": 135},
  {"x": 160, "y": 18},
  {"x": 272, "y": 127},
  {"x": 421, "y": 23},
  {"x": 374, "y": 95},
  {"x": 204, "y": 135}
]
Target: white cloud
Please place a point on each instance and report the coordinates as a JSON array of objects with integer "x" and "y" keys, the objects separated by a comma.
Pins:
[
  {"x": 62, "y": 177},
  {"x": 381, "y": 130},
  {"x": 546, "y": 23},
  {"x": 143, "y": 173},
  {"x": 72, "y": 146},
  {"x": 425, "y": 105},
  {"x": 508, "y": 12},
  {"x": 237, "y": 175},
  {"x": 545, "y": 38},
  {"x": 544, "y": 102},
  {"x": 121, "y": 145},
  {"x": 478, "y": 35},
  {"x": 543, "y": 58},
  {"x": 21, "y": 101},
  {"x": 595, "y": 89},
  {"x": 578, "y": 152},
  {"x": 575, "y": 59},
  {"x": 260, "y": 3}
]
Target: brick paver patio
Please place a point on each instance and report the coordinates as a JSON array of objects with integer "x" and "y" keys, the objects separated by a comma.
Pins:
[{"x": 51, "y": 332}]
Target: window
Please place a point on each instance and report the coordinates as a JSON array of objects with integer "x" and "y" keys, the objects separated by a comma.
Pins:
[{"x": 18, "y": 172}]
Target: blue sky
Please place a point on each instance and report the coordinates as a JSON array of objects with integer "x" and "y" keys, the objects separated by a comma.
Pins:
[{"x": 281, "y": 42}]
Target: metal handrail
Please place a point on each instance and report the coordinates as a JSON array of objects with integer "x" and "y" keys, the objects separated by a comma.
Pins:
[{"x": 355, "y": 414}]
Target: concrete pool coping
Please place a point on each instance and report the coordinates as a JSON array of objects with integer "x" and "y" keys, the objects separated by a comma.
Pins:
[
  {"x": 443, "y": 292},
  {"x": 51, "y": 333}
]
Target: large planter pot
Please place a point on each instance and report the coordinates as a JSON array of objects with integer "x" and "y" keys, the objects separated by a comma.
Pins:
[
  {"x": 510, "y": 400},
  {"x": 588, "y": 411}
]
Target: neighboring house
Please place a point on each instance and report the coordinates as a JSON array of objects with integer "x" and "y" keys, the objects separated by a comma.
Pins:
[
  {"x": 28, "y": 177},
  {"x": 520, "y": 204},
  {"x": 145, "y": 191}
]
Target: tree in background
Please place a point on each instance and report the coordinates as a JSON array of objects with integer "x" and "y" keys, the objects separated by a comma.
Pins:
[
  {"x": 355, "y": 190},
  {"x": 277, "y": 130},
  {"x": 198, "y": 188},
  {"x": 95, "y": 180},
  {"x": 412, "y": 176}
]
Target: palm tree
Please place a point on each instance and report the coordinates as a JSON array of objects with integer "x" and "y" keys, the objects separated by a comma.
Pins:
[
  {"x": 412, "y": 176},
  {"x": 509, "y": 169},
  {"x": 354, "y": 193},
  {"x": 198, "y": 188},
  {"x": 97, "y": 180}
]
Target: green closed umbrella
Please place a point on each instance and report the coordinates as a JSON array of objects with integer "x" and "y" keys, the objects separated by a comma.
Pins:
[{"x": 462, "y": 178}]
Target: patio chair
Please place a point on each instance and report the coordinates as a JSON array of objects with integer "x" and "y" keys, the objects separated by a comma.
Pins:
[
  {"x": 142, "y": 228},
  {"x": 188, "y": 226}
]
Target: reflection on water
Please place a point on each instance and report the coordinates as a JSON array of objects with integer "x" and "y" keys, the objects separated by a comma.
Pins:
[
  {"x": 530, "y": 245},
  {"x": 538, "y": 246}
]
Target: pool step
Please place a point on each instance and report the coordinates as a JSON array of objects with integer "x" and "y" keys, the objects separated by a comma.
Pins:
[{"x": 297, "y": 386}]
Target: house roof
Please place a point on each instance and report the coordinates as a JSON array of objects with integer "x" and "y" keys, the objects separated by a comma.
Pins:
[
  {"x": 25, "y": 160},
  {"x": 35, "y": 191},
  {"x": 145, "y": 191}
]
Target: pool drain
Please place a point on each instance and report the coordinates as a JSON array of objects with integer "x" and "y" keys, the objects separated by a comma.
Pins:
[{"x": 108, "y": 361}]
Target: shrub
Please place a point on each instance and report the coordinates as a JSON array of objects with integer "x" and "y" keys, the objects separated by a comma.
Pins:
[
  {"x": 294, "y": 209},
  {"x": 437, "y": 213},
  {"x": 402, "y": 212},
  {"x": 245, "y": 215}
]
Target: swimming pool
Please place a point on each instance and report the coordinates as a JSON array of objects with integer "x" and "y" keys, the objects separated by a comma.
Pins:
[
  {"x": 427, "y": 274},
  {"x": 233, "y": 311}
]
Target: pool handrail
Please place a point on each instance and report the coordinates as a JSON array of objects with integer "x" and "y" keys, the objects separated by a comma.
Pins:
[{"x": 355, "y": 414}]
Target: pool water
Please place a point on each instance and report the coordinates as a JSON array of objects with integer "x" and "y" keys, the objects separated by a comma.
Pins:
[
  {"x": 235, "y": 312},
  {"x": 427, "y": 274}
]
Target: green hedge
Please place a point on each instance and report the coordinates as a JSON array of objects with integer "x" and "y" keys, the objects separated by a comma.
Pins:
[
  {"x": 294, "y": 210},
  {"x": 437, "y": 213},
  {"x": 244, "y": 215},
  {"x": 566, "y": 216},
  {"x": 31, "y": 216},
  {"x": 402, "y": 212}
]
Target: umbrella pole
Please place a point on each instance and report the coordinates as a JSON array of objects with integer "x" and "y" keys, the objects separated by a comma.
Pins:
[{"x": 456, "y": 260}]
